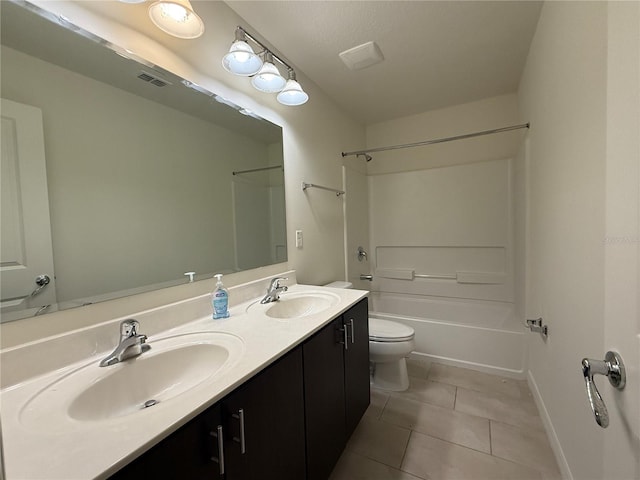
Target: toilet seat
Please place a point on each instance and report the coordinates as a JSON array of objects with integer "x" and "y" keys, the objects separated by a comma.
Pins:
[{"x": 389, "y": 332}]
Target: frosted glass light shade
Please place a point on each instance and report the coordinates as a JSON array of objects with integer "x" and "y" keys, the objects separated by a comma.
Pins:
[
  {"x": 292, "y": 94},
  {"x": 177, "y": 18},
  {"x": 241, "y": 59},
  {"x": 268, "y": 79}
]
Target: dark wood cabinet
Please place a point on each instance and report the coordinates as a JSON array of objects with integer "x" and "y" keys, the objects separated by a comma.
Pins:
[
  {"x": 324, "y": 399},
  {"x": 289, "y": 422},
  {"x": 336, "y": 387},
  {"x": 186, "y": 453},
  {"x": 356, "y": 365},
  {"x": 270, "y": 407}
]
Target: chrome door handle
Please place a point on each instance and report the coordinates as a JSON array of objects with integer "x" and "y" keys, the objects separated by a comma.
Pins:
[
  {"x": 612, "y": 367},
  {"x": 41, "y": 281}
]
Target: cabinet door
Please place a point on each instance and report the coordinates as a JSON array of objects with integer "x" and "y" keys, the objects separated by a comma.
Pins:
[
  {"x": 270, "y": 407},
  {"x": 356, "y": 364},
  {"x": 190, "y": 452},
  {"x": 324, "y": 399}
]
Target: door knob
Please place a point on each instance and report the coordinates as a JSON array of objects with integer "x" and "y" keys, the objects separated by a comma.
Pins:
[
  {"x": 41, "y": 282},
  {"x": 612, "y": 367}
]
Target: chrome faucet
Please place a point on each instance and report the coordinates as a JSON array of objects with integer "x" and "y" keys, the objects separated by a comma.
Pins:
[
  {"x": 274, "y": 290},
  {"x": 131, "y": 344}
]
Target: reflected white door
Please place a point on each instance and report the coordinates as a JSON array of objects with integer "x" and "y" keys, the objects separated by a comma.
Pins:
[
  {"x": 622, "y": 242},
  {"x": 26, "y": 249}
]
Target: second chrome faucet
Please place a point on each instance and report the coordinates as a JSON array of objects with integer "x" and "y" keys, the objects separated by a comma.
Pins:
[{"x": 274, "y": 290}]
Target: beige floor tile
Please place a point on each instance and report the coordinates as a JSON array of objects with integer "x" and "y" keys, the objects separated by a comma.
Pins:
[
  {"x": 479, "y": 381},
  {"x": 378, "y": 401},
  {"x": 426, "y": 391},
  {"x": 379, "y": 441},
  {"x": 418, "y": 368},
  {"x": 526, "y": 446},
  {"x": 497, "y": 406},
  {"x": 356, "y": 467},
  {"x": 442, "y": 423},
  {"x": 430, "y": 458}
]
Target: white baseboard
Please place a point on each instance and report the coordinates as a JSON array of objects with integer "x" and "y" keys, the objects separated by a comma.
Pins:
[
  {"x": 480, "y": 367},
  {"x": 548, "y": 426}
]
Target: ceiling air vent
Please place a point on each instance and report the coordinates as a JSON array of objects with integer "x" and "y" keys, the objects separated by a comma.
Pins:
[{"x": 153, "y": 79}]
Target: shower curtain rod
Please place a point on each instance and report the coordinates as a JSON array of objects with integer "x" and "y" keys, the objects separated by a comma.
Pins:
[
  {"x": 438, "y": 140},
  {"x": 238, "y": 172}
]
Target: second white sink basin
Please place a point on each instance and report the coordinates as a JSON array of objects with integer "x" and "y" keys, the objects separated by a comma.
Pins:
[
  {"x": 174, "y": 365},
  {"x": 297, "y": 305}
]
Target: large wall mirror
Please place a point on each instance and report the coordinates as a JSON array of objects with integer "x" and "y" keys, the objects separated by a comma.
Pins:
[{"x": 119, "y": 177}]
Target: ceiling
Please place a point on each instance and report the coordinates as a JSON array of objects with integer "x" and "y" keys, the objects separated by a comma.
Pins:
[{"x": 437, "y": 53}]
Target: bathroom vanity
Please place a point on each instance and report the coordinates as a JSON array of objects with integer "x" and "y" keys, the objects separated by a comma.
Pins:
[{"x": 282, "y": 388}]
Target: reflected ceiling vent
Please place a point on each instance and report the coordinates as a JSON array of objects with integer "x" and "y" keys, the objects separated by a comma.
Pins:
[
  {"x": 362, "y": 56},
  {"x": 153, "y": 79}
]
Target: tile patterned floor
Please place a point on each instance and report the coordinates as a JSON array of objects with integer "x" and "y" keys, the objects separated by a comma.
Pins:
[{"x": 452, "y": 424}]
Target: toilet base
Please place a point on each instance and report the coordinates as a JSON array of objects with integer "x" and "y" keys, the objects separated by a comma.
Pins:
[{"x": 390, "y": 376}]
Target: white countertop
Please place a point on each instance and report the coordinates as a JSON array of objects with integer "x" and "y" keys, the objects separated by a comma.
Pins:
[{"x": 97, "y": 449}]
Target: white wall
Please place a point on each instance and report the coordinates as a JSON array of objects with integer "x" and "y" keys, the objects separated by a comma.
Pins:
[
  {"x": 563, "y": 94},
  {"x": 490, "y": 113},
  {"x": 314, "y": 134}
]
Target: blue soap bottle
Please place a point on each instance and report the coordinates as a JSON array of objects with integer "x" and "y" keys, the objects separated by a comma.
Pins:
[{"x": 220, "y": 299}]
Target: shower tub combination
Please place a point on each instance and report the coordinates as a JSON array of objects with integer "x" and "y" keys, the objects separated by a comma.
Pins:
[{"x": 477, "y": 334}]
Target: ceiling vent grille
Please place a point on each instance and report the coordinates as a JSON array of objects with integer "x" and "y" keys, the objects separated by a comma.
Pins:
[{"x": 153, "y": 79}]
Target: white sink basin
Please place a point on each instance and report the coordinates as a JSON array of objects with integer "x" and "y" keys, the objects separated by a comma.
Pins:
[
  {"x": 174, "y": 366},
  {"x": 297, "y": 305}
]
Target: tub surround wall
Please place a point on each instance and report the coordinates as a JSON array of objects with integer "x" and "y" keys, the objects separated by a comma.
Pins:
[{"x": 443, "y": 221}]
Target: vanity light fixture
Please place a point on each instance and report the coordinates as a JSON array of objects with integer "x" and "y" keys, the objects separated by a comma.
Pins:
[
  {"x": 177, "y": 18},
  {"x": 268, "y": 79},
  {"x": 244, "y": 61},
  {"x": 292, "y": 93},
  {"x": 241, "y": 59}
]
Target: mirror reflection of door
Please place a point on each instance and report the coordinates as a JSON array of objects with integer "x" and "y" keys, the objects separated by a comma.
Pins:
[{"x": 25, "y": 250}]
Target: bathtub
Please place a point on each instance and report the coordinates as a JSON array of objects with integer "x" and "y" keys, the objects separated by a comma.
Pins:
[{"x": 480, "y": 335}]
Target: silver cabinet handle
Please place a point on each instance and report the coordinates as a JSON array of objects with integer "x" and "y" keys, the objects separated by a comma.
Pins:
[
  {"x": 220, "y": 458},
  {"x": 353, "y": 331},
  {"x": 41, "y": 281},
  {"x": 612, "y": 367},
  {"x": 345, "y": 337},
  {"x": 240, "y": 417}
]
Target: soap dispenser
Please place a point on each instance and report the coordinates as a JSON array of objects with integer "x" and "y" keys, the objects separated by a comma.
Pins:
[{"x": 220, "y": 299}]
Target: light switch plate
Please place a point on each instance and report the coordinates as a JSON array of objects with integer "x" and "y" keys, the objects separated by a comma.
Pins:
[{"x": 298, "y": 238}]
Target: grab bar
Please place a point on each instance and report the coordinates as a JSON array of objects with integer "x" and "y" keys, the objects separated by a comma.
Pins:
[
  {"x": 488, "y": 278},
  {"x": 441, "y": 277}
]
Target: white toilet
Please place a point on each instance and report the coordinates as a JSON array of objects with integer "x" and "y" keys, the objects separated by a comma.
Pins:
[{"x": 389, "y": 344}]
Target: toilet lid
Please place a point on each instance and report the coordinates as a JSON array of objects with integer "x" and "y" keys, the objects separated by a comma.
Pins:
[{"x": 386, "y": 331}]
